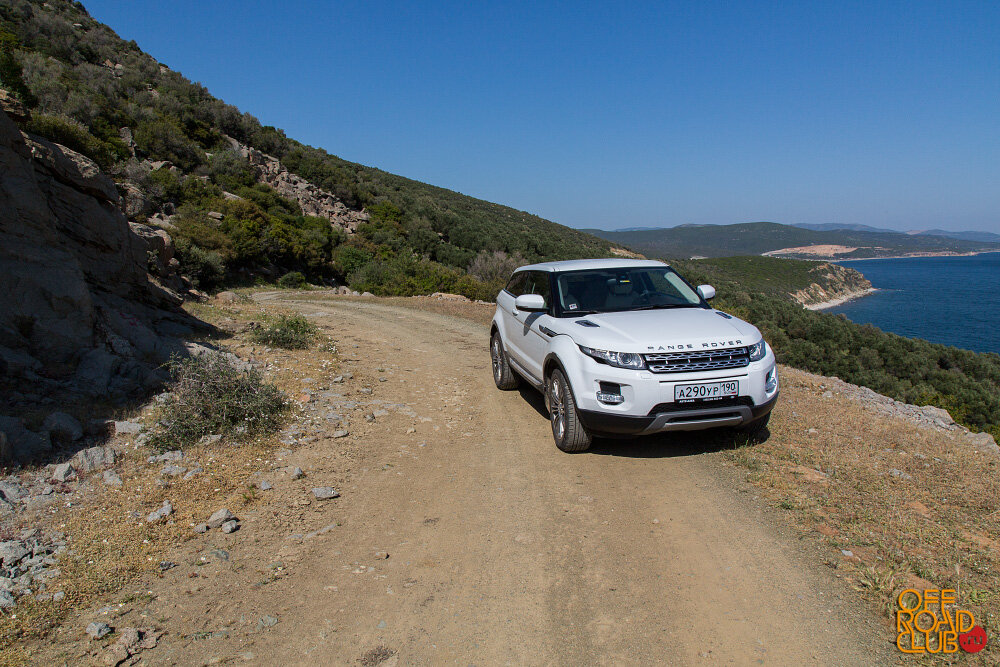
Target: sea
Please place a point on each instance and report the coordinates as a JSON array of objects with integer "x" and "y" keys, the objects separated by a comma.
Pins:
[{"x": 950, "y": 300}]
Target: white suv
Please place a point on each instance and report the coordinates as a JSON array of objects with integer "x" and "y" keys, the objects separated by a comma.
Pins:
[{"x": 628, "y": 347}]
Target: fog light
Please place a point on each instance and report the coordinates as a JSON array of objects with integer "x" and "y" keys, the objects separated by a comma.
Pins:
[
  {"x": 610, "y": 393},
  {"x": 771, "y": 383}
]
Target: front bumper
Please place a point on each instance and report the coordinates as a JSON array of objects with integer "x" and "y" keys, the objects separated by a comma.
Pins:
[
  {"x": 648, "y": 405},
  {"x": 679, "y": 418}
]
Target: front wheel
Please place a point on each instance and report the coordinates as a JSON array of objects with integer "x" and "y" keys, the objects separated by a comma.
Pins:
[
  {"x": 568, "y": 431},
  {"x": 503, "y": 375}
]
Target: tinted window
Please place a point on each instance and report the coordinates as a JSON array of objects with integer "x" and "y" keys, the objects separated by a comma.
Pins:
[
  {"x": 538, "y": 283},
  {"x": 516, "y": 283}
]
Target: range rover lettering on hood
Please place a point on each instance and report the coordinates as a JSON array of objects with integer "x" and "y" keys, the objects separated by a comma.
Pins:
[{"x": 696, "y": 346}]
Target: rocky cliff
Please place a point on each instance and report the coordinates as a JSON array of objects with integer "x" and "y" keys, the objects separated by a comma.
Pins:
[
  {"x": 833, "y": 284},
  {"x": 79, "y": 312}
]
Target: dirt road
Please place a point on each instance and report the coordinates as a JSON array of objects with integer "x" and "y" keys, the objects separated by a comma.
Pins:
[{"x": 501, "y": 549}]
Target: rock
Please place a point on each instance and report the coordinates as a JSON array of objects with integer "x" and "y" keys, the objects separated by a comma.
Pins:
[
  {"x": 297, "y": 473},
  {"x": 220, "y": 517},
  {"x": 266, "y": 622},
  {"x": 193, "y": 472},
  {"x": 13, "y": 107},
  {"x": 201, "y": 528},
  {"x": 63, "y": 427},
  {"x": 64, "y": 472},
  {"x": 11, "y": 553},
  {"x": 165, "y": 457},
  {"x": 7, "y": 600},
  {"x": 367, "y": 294},
  {"x": 171, "y": 470},
  {"x": 11, "y": 491},
  {"x": 58, "y": 596},
  {"x": 341, "y": 433},
  {"x": 127, "y": 428},
  {"x": 899, "y": 474},
  {"x": 111, "y": 478},
  {"x": 937, "y": 414},
  {"x": 94, "y": 458},
  {"x": 227, "y": 297},
  {"x": 209, "y": 439},
  {"x": 846, "y": 552},
  {"x": 983, "y": 442},
  {"x": 161, "y": 513},
  {"x": 98, "y": 630},
  {"x": 827, "y": 394},
  {"x": 325, "y": 493},
  {"x": 230, "y": 526},
  {"x": 22, "y": 444},
  {"x": 265, "y": 486}
]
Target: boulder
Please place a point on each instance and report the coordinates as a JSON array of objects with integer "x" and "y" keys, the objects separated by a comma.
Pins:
[
  {"x": 984, "y": 442},
  {"x": 22, "y": 444},
  {"x": 227, "y": 297},
  {"x": 220, "y": 517},
  {"x": 63, "y": 427},
  {"x": 94, "y": 458},
  {"x": 64, "y": 472}
]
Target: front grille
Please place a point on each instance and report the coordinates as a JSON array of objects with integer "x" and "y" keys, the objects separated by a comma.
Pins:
[{"x": 704, "y": 360}]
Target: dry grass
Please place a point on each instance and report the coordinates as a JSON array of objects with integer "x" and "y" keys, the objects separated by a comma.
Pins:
[
  {"x": 111, "y": 543},
  {"x": 915, "y": 507}
]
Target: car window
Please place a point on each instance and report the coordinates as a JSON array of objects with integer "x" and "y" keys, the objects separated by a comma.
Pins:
[
  {"x": 516, "y": 283},
  {"x": 538, "y": 283}
]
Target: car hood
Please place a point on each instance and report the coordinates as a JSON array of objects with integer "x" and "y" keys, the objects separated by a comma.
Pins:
[{"x": 667, "y": 330}]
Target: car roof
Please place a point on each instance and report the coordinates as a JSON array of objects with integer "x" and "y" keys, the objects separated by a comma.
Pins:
[{"x": 584, "y": 264}]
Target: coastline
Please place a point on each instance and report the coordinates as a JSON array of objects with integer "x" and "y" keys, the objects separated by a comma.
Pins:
[
  {"x": 838, "y": 260},
  {"x": 851, "y": 296}
]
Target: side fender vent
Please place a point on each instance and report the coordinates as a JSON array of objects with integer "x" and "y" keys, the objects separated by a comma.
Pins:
[{"x": 587, "y": 323}]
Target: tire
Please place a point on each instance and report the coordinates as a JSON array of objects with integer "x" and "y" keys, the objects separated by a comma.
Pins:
[
  {"x": 568, "y": 432},
  {"x": 503, "y": 375},
  {"x": 755, "y": 428}
]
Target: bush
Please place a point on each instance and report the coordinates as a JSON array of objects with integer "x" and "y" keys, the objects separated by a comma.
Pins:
[
  {"x": 205, "y": 268},
  {"x": 292, "y": 280},
  {"x": 211, "y": 395},
  {"x": 75, "y": 136},
  {"x": 291, "y": 332},
  {"x": 491, "y": 267}
]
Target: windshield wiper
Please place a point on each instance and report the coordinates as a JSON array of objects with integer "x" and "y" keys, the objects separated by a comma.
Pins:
[{"x": 665, "y": 306}]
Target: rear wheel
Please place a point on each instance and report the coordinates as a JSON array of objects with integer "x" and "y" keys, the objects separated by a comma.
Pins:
[
  {"x": 503, "y": 374},
  {"x": 568, "y": 432}
]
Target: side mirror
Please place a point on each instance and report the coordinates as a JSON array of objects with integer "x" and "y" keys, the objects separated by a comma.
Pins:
[
  {"x": 706, "y": 291},
  {"x": 532, "y": 303}
]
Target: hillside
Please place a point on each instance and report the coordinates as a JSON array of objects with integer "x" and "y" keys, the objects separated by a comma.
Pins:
[
  {"x": 986, "y": 237},
  {"x": 756, "y": 238},
  {"x": 183, "y": 161}
]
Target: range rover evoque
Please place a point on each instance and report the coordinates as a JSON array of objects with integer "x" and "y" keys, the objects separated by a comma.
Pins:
[{"x": 628, "y": 347}]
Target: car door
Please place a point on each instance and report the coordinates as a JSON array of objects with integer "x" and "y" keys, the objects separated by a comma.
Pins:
[
  {"x": 510, "y": 324},
  {"x": 532, "y": 343}
]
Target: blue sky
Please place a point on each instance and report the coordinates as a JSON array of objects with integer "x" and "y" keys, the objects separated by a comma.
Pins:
[{"x": 616, "y": 115}]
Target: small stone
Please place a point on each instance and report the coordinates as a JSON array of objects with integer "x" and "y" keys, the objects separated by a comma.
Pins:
[
  {"x": 827, "y": 394},
  {"x": 127, "y": 427},
  {"x": 296, "y": 473},
  {"x": 171, "y": 470},
  {"x": 338, "y": 379},
  {"x": 64, "y": 472},
  {"x": 899, "y": 474},
  {"x": 411, "y": 430},
  {"x": 265, "y": 486},
  {"x": 342, "y": 433},
  {"x": 166, "y": 457},
  {"x": 201, "y": 528},
  {"x": 93, "y": 458},
  {"x": 98, "y": 630},
  {"x": 230, "y": 527},
  {"x": 193, "y": 472},
  {"x": 369, "y": 417},
  {"x": 325, "y": 493},
  {"x": 13, "y": 552},
  {"x": 161, "y": 513},
  {"x": 210, "y": 439},
  {"x": 111, "y": 478},
  {"x": 365, "y": 390},
  {"x": 58, "y": 596},
  {"x": 848, "y": 553},
  {"x": 220, "y": 517},
  {"x": 266, "y": 622},
  {"x": 812, "y": 431},
  {"x": 382, "y": 379},
  {"x": 167, "y": 565},
  {"x": 382, "y": 555}
]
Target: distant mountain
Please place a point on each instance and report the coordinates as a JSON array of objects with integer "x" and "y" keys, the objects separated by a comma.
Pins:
[
  {"x": 985, "y": 237},
  {"x": 757, "y": 238},
  {"x": 835, "y": 226}
]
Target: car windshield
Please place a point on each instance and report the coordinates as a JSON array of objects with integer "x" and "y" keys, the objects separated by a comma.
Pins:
[{"x": 615, "y": 290}]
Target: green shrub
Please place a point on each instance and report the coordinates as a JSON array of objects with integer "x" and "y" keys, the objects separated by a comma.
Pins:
[
  {"x": 205, "y": 268},
  {"x": 292, "y": 280},
  {"x": 75, "y": 136},
  {"x": 211, "y": 395},
  {"x": 291, "y": 332}
]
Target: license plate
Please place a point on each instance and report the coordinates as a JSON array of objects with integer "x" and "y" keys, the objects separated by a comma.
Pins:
[{"x": 706, "y": 392}]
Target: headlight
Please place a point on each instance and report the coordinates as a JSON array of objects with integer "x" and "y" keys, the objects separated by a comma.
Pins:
[
  {"x": 758, "y": 350},
  {"x": 629, "y": 360}
]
